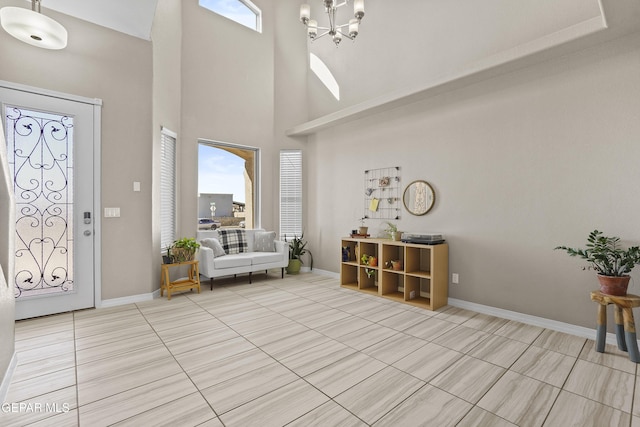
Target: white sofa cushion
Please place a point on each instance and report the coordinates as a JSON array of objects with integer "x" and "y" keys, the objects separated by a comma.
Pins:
[
  {"x": 233, "y": 260},
  {"x": 265, "y": 257}
]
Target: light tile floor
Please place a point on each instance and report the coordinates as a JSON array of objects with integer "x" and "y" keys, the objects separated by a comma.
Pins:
[{"x": 302, "y": 351}]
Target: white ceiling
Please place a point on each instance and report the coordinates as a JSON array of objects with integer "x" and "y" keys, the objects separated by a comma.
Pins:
[{"x": 133, "y": 17}]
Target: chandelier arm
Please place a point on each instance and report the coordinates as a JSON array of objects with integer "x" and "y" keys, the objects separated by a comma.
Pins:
[
  {"x": 344, "y": 3},
  {"x": 321, "y": 35},
  {"x": 346, "y": 35}
]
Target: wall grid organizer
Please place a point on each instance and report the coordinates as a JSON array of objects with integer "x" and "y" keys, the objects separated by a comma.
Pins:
[{"x": 382, "y": 193}]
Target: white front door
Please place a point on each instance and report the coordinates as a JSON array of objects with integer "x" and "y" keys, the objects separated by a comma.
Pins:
[{"x": 50, "y": 144}]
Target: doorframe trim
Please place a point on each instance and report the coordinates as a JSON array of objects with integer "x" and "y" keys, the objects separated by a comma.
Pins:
[
  {"x": 97, "y": 163},
  {"x": 51, "y": 93}
]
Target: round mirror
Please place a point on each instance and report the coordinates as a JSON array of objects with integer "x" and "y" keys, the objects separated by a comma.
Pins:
[{"x": 419, "y": 197}]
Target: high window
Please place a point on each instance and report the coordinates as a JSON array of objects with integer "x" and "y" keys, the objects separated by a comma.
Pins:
[
  {"x": 241, "y": 11},
  {"x": 290, "y": 193},
  {"x": 167, "y": 188}
]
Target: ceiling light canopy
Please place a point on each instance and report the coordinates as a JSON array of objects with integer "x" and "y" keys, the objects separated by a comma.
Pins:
[
  {"x": 349, "y": 30},
  {"x": 31, "y": 26}
]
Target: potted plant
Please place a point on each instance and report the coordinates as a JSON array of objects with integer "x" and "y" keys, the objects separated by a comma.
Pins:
[
  {"x": 392, "y": 229},
  {"x": 362, "y": 230},
  {"x": 612, "y": 263},
  {"x": 184, "y": 249},
  {"x": 369, "y": 260},
  {"x": 297, "y": 248}
]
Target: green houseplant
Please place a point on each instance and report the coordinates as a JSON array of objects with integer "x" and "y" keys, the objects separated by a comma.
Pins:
[
  {"x": 184, "y": 249},
  {"x": 393, "y": 232},
  {"x": 612, "y": 263},
  {"x": 297, "y": 248}
]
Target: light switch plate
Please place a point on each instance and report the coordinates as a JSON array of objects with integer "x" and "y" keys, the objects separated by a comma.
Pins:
[{"x": 112, "y": 212}]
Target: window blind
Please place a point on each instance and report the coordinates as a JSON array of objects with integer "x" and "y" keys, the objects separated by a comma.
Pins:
[
  {"x": 167, "y": 188},
  {"x": 290, "y": 193}
]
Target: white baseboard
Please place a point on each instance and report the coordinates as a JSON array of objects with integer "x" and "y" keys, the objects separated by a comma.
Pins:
[
  {"x": 528, "y": 319},
  {"x": 113, "y": 302},
  {"x": 6, "y": 380}
]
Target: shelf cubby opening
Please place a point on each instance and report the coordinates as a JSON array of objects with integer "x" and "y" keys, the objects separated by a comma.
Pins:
[
  {"x": 392, "y": 284},
  {"x": 348, "y": 274},
  {"x": 369, "y": 282},
  {"x": 349, "y": 252},
  {"x": 391, "y": 252},
  {"x": 417, "y": 290},
  {"x": 418, "y": 261}
]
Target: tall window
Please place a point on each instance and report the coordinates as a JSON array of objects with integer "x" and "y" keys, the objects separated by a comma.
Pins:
[
  {"x": 290, "y": 193},
  {"x": 228, "y": 185},
  {"x": 242, "y": 11},
  {"x": 168, "y": 187}
]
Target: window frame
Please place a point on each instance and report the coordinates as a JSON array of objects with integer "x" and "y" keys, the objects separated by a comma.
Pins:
[
  {"x": 166, "y": 136},
  {"x": 252, "y": 7},
  {"x": 257, "y": 185},
  {"x": 290, "y": 190}
]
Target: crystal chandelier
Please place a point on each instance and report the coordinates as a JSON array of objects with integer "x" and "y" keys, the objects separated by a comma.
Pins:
[{"x": 334, "y": 30}]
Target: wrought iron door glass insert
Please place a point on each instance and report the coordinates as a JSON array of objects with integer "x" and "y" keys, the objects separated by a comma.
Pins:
[{"x": 40, "y": 148}]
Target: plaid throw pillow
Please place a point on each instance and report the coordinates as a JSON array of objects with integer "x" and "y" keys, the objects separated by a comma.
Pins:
[{"x": 233, "y": 241}]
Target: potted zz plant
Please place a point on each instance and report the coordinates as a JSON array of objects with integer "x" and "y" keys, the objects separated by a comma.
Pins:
[
  {"x": 612, "y": 263},
  {"x": 184, "y": 249},
  {"x": 297, "y": 248}
]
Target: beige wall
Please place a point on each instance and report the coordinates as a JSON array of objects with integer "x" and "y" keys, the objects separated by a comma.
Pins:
[
  {"x": 228, "y": 96},
  {"x": 166, "y": 38},
  {"x": 101, "y": 63},
  {"x": 520, "y": 164}
]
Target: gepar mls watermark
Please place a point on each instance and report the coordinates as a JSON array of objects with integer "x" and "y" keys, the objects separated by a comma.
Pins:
[{"x": 34, "y": 407}]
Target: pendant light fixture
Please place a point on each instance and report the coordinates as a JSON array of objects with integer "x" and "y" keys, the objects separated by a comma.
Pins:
[
  {"x": 349, "y": 30},
  {"x": 31, "y": 26}
]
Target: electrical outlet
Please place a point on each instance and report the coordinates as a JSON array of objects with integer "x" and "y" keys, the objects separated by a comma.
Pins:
[
  {"x": 412, "y": 295},
  {"x": 455, "y": 279}
]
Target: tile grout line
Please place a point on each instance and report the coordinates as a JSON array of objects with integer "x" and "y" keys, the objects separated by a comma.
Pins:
[
  {"x": 286, "y": 367},
  {"x": 178, "y": 363}
]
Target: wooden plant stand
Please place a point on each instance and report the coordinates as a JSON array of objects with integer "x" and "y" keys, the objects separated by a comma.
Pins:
[
  {"x": 625, "y": 324},
  {"x": 190, "y": 282}
]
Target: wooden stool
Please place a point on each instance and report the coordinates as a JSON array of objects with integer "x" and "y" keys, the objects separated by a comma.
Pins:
[{"x": 625, "y": 325}]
